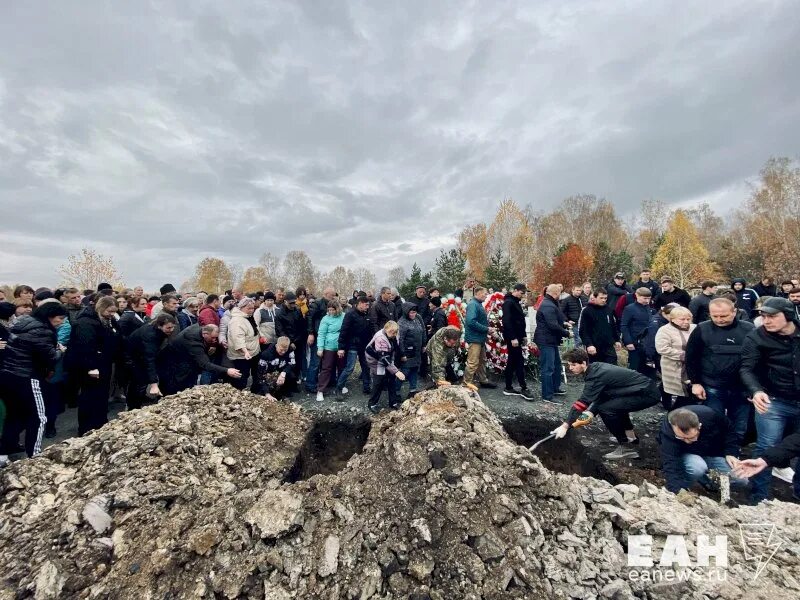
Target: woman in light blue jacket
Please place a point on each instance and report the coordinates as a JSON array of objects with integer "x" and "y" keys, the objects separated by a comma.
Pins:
[{"x": 328, "y": 348}]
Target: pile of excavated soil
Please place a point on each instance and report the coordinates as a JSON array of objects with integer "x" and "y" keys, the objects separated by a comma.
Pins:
[{"x": 199, "y": 497}]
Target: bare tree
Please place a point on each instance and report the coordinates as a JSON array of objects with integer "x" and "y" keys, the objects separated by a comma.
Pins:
[
  {"x": 274, "y": 270},
  {"x": 87, "y": 269},
  {"x": 396, "y": 277},
  {"x": 364, "y": 279}
]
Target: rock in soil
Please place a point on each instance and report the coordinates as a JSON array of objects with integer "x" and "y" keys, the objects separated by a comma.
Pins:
[{"x": 198, "y": 497}]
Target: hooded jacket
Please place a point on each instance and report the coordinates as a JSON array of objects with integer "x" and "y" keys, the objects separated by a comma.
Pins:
[
  {"x": 717, "y": 438},
  {"x": 242, "y": 335},
  {"x": 411, "y": 337},
  {"x": 31, "y": 351},
  {"x": 381, "y": 352},
  {"x": 550, "y": 321},
  {"x": 745, "y": 298}
]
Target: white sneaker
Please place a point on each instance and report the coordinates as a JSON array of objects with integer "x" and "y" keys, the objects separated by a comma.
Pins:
[
  {"x": 785, "y": 474},
  {"x": 621, "y": 452},
  {"x": 345, "y": 390},
  {"x": 320, "y": 397}
]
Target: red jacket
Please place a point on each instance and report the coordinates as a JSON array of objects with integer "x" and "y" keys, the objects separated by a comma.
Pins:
[{"x": 208, "y": 315}]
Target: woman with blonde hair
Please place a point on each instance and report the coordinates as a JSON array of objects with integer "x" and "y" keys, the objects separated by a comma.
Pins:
[
  {"x": 671, "y": 342},
  {"x": 381, "y": 352}
]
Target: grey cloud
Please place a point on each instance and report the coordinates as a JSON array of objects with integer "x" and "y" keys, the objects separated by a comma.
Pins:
[{"x": 366, "y": 134}]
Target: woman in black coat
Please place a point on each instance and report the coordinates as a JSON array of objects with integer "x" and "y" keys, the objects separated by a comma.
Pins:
[
  {"x": 93, "y": 348},
  {"x": 29, "y": 357}
]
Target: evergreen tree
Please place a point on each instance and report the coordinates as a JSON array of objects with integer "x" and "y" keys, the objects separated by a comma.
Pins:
[
  {"x": 607, "y": 262},
  {"x": 451, "y": 269},
  {"x": 416, "y": 278},
  {"x": 499, "y": 273}
]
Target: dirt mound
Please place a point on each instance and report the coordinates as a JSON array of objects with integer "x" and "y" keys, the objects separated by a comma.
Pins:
[{"x": 202, "y": 497}]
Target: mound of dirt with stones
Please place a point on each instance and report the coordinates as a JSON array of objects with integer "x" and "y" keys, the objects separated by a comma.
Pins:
[{"x": 198, "y": 497}]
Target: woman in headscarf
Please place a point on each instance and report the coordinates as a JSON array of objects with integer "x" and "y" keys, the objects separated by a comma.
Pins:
[{"x": 243, "y": 345}]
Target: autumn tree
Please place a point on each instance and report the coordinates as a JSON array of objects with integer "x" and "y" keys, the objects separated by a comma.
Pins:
[
  {"x": 451, "y": 269},
  {"x": 709, "y": 225},
  {"x": 340, "y": 279},
  {"x": 771, "y": 219},
  {"x": 274, "y": 270},
  {"x": 740, "y": 260},
  {"x": 396, "y": 277},
  {"x": 254, "y": 280},
  {"x": 299, "y": 270},
  {"x": 571, "y": 266},
  {"x": 472, "y": 241},
  {"x": 417, "y": 277},
  {"x": 213, "y": 275},
  {"x": 87, "y": 269},
  {"x": 499, "y": 272},
  {"x": 364, "y": 279},
  {"x": 682, "y": 255},
  {"x": 649, "y": 232}
]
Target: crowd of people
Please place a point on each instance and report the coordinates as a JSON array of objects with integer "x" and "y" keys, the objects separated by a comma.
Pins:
[
  {"x": 718, "y": 362},
  {"x": 722, "y": 363}
]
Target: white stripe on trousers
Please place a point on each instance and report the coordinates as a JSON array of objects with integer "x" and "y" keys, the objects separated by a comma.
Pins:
[{"x": 38, "y": 399}]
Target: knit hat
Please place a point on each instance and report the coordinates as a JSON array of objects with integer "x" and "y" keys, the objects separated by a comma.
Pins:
[
  {"x": 7, "y": 310},
  {"x": 167, "y": 288},
  {"x": 436, "y": 301},
  {"x": 269, "y": 296},
  {"x": 104, "y": 286}
]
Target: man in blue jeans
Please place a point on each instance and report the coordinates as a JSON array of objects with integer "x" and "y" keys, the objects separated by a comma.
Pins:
[
  {"x": 713, "y": 358},
  {"x": 355, "y": 334},
  {"x": 693, "y": 440},
  {"x": 770, "y": 372},
  {"x": 550, "y": 330}
]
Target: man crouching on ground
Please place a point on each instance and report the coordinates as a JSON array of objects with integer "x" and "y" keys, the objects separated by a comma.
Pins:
[{"x": 613, "y": 393}]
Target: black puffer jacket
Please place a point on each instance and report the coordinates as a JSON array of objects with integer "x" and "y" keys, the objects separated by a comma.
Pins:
[
  {"x": 572, "y": 307},
  {"x": 31, "y": 350},
  {"x": 92, "y": 344},
  {"x": 292, "y": 324},
  {"x": 771, "y": 364}
]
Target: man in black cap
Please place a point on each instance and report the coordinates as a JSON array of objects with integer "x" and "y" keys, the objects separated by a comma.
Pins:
[
  {"x": 515, "y": 336},
  {"x": 617, "y": 288},
  {"x": 770, "y": 372}
]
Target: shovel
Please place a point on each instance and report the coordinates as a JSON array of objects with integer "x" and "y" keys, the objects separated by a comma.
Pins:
[{"x": 575, "y": 425}]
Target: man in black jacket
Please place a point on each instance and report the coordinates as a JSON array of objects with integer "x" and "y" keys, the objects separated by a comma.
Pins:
[
  {"x": 635, "y": 321},
  {"x": 550, "y": 330},
  {"x": 616, "y": 289},
  {"x": 383, "y": 310},
  {"x": 713, "y": 358},
  {"x": 692, "y": 440},
  {"x": 438, "y": 316},
  {"x": 670, "y": 293},
  {"x": 354, "y": 335},
  {"x": 289, "y": 322},
  {"x": 597, "y": 329},
  {"x": 699, "y": 304},
  {"x": 645, "y": 280},
  {"x": 573, "y": 304},
  {"x": 766, "y": 287},
  {"x": 515, "y": 337},
  {"x": 770, "y": 372},
  {"x": 613, "y": 393},
  {"x": 144, "y": 347},
  {"x": 187, "y": 355}
]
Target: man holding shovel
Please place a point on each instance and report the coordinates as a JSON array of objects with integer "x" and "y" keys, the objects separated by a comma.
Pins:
[{"x": 613, "y": 393}]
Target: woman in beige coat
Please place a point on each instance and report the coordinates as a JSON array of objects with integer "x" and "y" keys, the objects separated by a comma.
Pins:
[
  {"x": 243, "y": 346},
  {"x": 671, "y": 342}
]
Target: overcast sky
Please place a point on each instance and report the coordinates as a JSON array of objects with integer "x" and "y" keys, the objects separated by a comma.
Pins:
[{"x": 367, "y": 133}]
